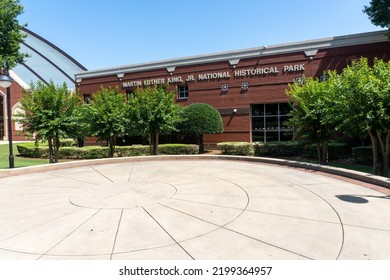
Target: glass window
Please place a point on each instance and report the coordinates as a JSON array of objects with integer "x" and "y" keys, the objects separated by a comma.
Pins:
[
  {"x": 182, "y": 92},
  {"x": 271, "y": 109},
  {"x": 269, "y": 122}
]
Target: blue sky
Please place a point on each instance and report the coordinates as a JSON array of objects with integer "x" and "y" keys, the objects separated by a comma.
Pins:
[{"x": 105, "y": 33}]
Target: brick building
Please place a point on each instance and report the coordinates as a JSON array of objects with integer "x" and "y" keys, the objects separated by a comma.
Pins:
[{"x": 246, "y": 86}]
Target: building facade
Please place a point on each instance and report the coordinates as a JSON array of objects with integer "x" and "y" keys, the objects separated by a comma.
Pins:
[{"x": 248, "y": 87}]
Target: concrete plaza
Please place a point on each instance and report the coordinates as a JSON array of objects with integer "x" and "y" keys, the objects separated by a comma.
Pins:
[{"x": 191, "y": 208}]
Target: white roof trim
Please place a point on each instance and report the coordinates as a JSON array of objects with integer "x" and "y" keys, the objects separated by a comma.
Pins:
[
  {"x": 18, "y": 80},
  {"x": 303, "y": 46}
]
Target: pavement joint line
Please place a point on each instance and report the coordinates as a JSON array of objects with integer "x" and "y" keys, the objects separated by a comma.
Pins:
[
  {"x": 154, "y": 173},
  {"x": 323, "y": 193},
  {"x": 219, "y": 227},
  {"x": 205, "y": 203},
  {"x": 69, "y": 234},
  {"x": 67, "y": 178},
  {"x": 368, "y": 228},
  {"x": 102, "y": 174},
  {"x": 116, "y": 234},
  {"x": 36, "y": 226},
  {"x": 38, "y": 206},
  {"x": 169, "y": 235},
  {"x": 327, "y": 202},
  {"x": 131, "y": 171},
  {"x": 37, "y": 214},
  {"x": 338, "y": 216}
]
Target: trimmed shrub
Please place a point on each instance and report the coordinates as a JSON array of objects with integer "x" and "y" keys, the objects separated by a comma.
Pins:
[
  {"x": 31, "y": 151},
  {"x": 280, "y": 149},
  {"x": 93, "y": 152},
  {"x": 362, "y": 154},
  {"x": 236, "y": 148},
  {"x": 68, "y": 142},
  {"x": 335, "y": 151},
  {"x": 178, "y": 149},
  {"x": 131, "y": 151}
]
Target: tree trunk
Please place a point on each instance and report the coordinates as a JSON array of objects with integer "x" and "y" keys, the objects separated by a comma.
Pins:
[
  {"x": 154, "y": 142},
  {"x": 155, "y": 146},
  {"x": 375, "y": 164},
  {"x": 56, "y": 148},
  {"x": 319, "y": 153},
  {"x": 80, "y": 142},
  {"x": 111, "y": 145},
  {"x": 200, "y": 143},
  {"x": 384, "y": 148},
  {"x": 386, "y": 162},
  {"x": 50, "y": 141},
  {"x": 325, "y": 153}
]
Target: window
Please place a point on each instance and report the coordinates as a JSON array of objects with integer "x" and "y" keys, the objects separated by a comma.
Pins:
[
  {"x": 268, "y": 122},
  {"x": 182, "y": 92},
  {"x": 87, "y": 98}
]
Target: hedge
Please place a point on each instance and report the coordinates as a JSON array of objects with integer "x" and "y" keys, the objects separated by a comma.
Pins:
[
  {"x": 92, "y": 152},
  {"x": 281, "y": 149},
  {"x": 362, "y": 154},
  {"x": 236, "y": 148},
  {"x": 335, "y": 151}
]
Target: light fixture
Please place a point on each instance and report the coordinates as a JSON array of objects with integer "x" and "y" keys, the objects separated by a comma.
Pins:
[
  {"x": 225, "y": 87},
  {"x": 234, "y": 110},
  {"x": 5, "y": 81},
  {"x": 244, "y": 86}
]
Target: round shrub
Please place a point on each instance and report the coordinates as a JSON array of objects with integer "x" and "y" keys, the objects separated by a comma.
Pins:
[{"x": 200, "y": 119}]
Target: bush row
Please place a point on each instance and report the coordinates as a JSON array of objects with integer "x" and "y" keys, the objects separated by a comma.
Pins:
[
  {"x": 236, "y": 148},
  {"x": 281, "y": 149},
  {"x": 92, "y": 152},
  {"x": 362, "y": 154}
]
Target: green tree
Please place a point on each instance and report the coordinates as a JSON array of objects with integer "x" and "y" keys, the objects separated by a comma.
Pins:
[
  {"x": 311, "y": 104},
  {"x": 363, "y": 105},
  {"x": 48, "y": 114},
  {"x": 83, "y": 125},
  {"x": 11, "y": 35},
  {"x": 200, "y": 119},
  {"x": 379, "y": 13},
  {"x": 107, "y": 116},
  {"x": 152, "y": 111}
]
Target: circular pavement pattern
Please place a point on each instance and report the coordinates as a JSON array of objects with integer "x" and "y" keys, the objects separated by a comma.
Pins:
[{"x": 190, "y": 209}]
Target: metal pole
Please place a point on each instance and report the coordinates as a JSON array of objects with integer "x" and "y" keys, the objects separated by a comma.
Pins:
[{"x": 9, "y": 124}]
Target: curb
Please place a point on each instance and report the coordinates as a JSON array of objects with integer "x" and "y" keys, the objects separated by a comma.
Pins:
[{"x": 356, "y": 175}]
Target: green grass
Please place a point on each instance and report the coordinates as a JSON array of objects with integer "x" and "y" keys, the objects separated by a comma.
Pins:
[
  {"x": 361, "y": 168},
  {"x": 19, "y": 161}
]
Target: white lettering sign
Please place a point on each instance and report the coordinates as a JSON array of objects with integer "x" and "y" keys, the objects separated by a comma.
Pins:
[
  {"x": 294, "y": 68},
  {"x": 272, "y": 70},
  {"x": 213, "y": 76}
]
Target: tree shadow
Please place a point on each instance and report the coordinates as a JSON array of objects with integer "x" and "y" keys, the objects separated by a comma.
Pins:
[{"x": 359, "y": 198}]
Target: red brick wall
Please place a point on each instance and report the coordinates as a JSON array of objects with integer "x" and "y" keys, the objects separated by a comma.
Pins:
[{"x": 262, "y": 89}]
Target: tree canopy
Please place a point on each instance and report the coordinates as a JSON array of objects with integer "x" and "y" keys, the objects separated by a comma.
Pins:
[
  {"x": 152, "y": 111},
  {"x": 200, "y": 119},
  {"x": 379, "y": 13},
  {"x": 11, "y": 35},
  {"x": 48, "y": 114},
  {"x": 309, "y": 114},
  {"x": 362, "y": 101},
  {"x": 355, "y": 102},
  {"x": 107, "y": 116}
]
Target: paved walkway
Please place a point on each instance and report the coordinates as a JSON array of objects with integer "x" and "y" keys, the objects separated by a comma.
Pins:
[{"x": 190, "y": 209}]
